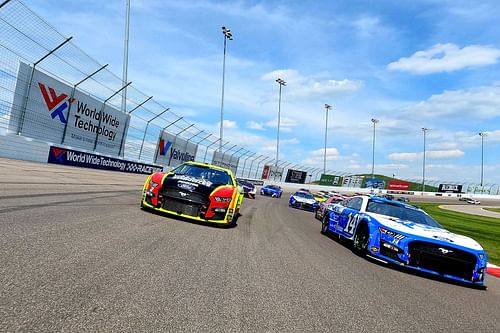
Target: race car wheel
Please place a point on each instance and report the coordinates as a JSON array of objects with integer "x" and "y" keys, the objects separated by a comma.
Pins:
[
  {"x": 360, "y": 244},
  {"x": 324, "y": 225}
]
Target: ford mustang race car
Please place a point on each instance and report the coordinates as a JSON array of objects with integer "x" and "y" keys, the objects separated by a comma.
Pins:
[
  {"x": 247, "y": 187},
  {"x": 405, "y": 235},
  {"x": 303, "y": 200},
  {"x": 273, "y": 190},
  {"x": 197, "y": 191},
  {"x": 323, "y": 206}
]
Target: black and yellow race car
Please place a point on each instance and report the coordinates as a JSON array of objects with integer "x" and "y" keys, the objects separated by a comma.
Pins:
[{"x": 197, "y": 191}]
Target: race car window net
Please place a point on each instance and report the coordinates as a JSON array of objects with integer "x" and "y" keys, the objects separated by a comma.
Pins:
[
  {"x": 204, "y": 172},
  {"x": 401, "y": 212}
]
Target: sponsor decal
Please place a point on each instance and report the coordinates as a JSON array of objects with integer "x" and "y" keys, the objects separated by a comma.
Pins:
[
  {"x": 444, "y": 239},
  {"x": 190, "y": 179},
  {"x": 187, "y": 185},
  {"x": 72, "y": 157}
]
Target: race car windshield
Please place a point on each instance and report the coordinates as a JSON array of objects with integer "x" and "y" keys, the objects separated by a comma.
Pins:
[
  {"x": 304, "y": 195},
  {"x": 401, "y": 212},
  {"x": 213, "y": 175}
]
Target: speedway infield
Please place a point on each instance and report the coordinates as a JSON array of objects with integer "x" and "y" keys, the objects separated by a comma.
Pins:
[{"x": 78, "y": 254}]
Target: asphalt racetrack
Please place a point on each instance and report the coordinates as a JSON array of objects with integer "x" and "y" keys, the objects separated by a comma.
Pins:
[{"x": 77, "y": 254}]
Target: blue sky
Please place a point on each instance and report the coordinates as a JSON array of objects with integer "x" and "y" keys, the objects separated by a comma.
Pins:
[{"x": 410, "y": 64}]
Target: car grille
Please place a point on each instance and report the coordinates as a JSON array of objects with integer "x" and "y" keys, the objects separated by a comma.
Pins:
[
  {"x": 181, "y": 207},
  {"x": 304, "y": 205},
  {"x": 191, "y": 197},
  {"x": 442, "y": 259}
]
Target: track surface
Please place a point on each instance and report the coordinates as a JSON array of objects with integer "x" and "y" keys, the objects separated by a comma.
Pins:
[{"x": 79, "y": 255}]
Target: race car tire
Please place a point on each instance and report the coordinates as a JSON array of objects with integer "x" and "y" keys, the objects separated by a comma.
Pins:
[
  {"x": 360, "y": 242},
  {"x": 324, "y": 225}
]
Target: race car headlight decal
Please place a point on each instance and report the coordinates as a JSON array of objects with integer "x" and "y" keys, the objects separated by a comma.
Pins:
[
  {"x": 153, "y": 184},
  {"x": 391, "y": 233},
  {"x": 223, "y": 199}
]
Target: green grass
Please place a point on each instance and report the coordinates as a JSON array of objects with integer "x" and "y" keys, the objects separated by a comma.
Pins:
[
  {"x": 496, "y": 210},
  {"x": 485, "y": 230}
]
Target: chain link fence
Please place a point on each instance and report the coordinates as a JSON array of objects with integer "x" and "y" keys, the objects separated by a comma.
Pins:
[{"x": 33, "y": 52}]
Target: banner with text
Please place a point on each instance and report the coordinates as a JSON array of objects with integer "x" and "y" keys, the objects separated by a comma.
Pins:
[
  {"x": 50, "y": 114},
  {"x": 65, "y": 156},
  {"x": 296, "y": 176},
  {"x": 375, "y": 183},
  {"x": 397, "y": 185},
  {"x": 330, "y": 180},
  {"x": 173, "y": 151},
  {"x": 352, "y": 181},
  {"x": 450, "y": 188},
  {"x": 226, "y": 161}
]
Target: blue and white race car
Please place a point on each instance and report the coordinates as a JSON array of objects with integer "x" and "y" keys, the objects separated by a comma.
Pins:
[
  {"x": 405, "y": 235},
  {"x": 303, "y": 200},
  {"x": 273, "y": 190}
]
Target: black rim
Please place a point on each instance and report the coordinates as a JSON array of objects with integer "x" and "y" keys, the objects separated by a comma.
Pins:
[
  {"x": 324, "y": 226},
  {"x": 361, "y": 239}
]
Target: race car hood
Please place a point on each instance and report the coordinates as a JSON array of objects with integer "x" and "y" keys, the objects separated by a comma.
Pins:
[
  {"x": 304, "y": 200},
  {"x": 190, "y": 184},
  {"x": 425, "y": 231}
]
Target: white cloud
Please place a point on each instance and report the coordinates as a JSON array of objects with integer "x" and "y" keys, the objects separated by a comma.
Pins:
[
  {"x": 480, "y": 102},
  {"x": 301, "y": 86},
  {"x": 286, "y": 124},
  {"x": 255, "y": 125},
  {"x": 430, "y": 154},
  {"x": 446, "y": 58},
  {"x": 230, "y": 124}
]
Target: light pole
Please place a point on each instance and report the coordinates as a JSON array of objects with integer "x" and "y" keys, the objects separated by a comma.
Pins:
[
  {"x": 327, "y": 107},
  {"x": 281, "y": 82},
  {"x": 424, "y": 130},
  {"x": 374, "y": 121},
  {"x": 227, "y": 35},
  {"x": 482, "y": 135}
]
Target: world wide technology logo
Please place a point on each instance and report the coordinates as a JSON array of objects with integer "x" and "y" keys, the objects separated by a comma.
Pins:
[
  {"x": 56, "y": 104},
  {"x": 58, "y": 154}
]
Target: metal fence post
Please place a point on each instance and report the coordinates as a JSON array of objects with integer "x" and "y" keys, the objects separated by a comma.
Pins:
[{"x": 30, "y": 81}]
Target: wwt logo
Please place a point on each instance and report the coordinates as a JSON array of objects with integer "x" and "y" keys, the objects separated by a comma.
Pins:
[{"x": 54, "y": 102}]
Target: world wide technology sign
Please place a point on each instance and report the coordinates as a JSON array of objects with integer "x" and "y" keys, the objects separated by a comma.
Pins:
[
  {"x": 50, "y": 114},
  {"x": 173, "y": 151}
]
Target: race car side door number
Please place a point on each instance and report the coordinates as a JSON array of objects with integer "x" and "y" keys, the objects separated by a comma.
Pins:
[{"x": 351, "y": 223}]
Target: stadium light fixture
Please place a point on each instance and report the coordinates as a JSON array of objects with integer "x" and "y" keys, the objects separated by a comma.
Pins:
[
  {"x": 227, "y": 35},
  {"x": 281, "y": 83},
  {"x": 327, "y": 107}
]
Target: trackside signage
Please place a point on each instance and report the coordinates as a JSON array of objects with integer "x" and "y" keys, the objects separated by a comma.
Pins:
[
  {"x": 173, "y": 151},
  {"x": 226, "y": 161},
  {"x": 52, "y": 115},
  {"x": 272, "y": 173},
  {"x": 64, "y": 156},
  {"x": 331, "y": 180},
  {"x": 450, "y": 188},
  {"x": 295, "y": 176},
  {"x": 397, "y": 185}
]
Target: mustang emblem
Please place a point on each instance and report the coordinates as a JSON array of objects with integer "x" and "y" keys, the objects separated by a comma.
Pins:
[
  {"x": 183, "y": 194},
  {"x": 445, "y": 251}
]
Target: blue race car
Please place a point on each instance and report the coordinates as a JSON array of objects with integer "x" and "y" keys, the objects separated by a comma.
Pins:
[
  {"x": 303, "y": 200},
  {"x": 272, "y": 190},
  {"x": 405, "y": 235}
]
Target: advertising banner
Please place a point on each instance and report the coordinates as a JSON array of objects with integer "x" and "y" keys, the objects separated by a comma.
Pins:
[
  {"x": 352, "y": 181},
  {"x": 64, "y": 156},
  {"x": 265, "y": 172},
  {"x": 450, "y": 188},
  {"x": 226, "y": 161},
  {"x": 173, "y": 151},
  {"x": 397, "y": 185},
  {"x": 330, "y": 180},
  {"x": 52, "y": 115},
  {"x": 375, "y": 183},
  {"x": 272, "y": 173},
  {"x": 296, "y": 176}
]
